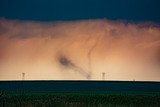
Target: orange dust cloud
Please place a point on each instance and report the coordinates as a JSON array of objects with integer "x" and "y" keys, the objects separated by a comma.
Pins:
[{"x": 79, "y": 50}]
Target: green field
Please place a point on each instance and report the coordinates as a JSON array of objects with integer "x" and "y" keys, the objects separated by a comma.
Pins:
[{"x": 79, "y": 99}]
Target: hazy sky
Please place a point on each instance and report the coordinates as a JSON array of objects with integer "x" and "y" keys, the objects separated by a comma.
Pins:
[
  {"x": 79, "y": 50},
  {"x": 80, "y": 39}
]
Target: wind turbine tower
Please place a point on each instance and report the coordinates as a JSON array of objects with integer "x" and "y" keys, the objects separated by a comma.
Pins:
[
  {"x": 23, "y": 76},
  {"x": 103, "y": 75}
]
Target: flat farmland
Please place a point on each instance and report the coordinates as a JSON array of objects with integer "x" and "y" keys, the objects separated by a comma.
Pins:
[{"x": 79, "y": 94}]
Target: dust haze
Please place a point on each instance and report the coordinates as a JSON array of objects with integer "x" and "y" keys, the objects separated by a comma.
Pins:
[{"x": 79, "y": 50}]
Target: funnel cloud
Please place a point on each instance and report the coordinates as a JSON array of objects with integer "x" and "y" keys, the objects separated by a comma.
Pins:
[{"x": 79, "y": 50}]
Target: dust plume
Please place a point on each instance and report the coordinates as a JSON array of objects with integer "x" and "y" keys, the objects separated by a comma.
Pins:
[{"x": 79, "y": 50}]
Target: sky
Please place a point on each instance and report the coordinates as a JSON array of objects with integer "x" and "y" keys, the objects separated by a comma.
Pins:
[
  {"x": 80, "y": 40},
  {"x": 60, "y": 10}
]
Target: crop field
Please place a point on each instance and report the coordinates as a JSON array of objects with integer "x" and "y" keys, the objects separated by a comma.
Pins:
[
  {"x": 79, "y": 94},
  {"x": 44, "y": 99}
]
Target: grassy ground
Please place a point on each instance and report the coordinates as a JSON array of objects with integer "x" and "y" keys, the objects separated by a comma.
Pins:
[{"x": 79, "y": 99}]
